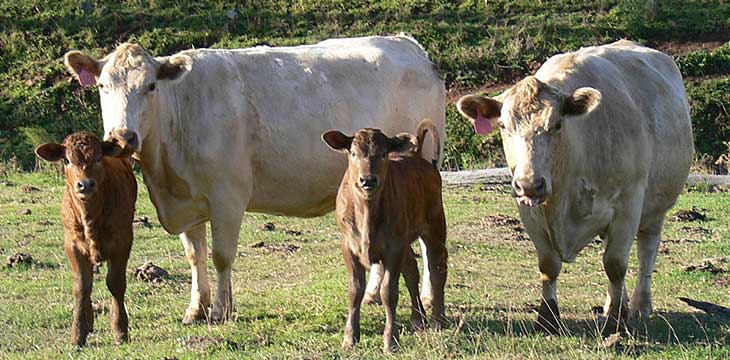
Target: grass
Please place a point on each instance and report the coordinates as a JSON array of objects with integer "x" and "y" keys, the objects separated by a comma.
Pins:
[
  {"x": 293, "y": 305},
  {"x": 474, "y": 42}
]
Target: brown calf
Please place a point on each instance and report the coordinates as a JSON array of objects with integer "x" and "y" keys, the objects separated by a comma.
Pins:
[
  {"x": 389, "y": 197},
  {"x": 97, "y": 212}
]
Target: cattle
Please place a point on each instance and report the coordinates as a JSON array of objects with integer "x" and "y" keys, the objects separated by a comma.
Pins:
[
  {"x": 97, "y": 212},
  {"x": 389, "y": 197},
  {"x": 221, "y": 132},
  {"x": 599, "y": 143}
]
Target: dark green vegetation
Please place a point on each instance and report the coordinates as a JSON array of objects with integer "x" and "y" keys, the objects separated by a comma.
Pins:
[
  {"x": 291, "y": 302},
  {"x": 475, "y": 43}
]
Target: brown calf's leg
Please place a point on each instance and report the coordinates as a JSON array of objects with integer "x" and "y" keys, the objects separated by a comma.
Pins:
[
  {"x": 83, "y": 317},
  {"x": 356, "y": 292},
  {"x": 410, "y": 274},
  {"x": 389, "y": 294},
  {"x": 116, "y": 282}
]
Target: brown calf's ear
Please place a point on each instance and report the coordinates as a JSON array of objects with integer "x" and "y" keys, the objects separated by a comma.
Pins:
[
  {"x": 85, "y": 68},
  {"x": 402, "y": 142},
  {"x": 582, "y": 101},
  {"x": 174, "y": 68},
  {"x": 51, "y": 152},
  {"x": 337, "y": 141},
  {"x": 482, "y": 111}
]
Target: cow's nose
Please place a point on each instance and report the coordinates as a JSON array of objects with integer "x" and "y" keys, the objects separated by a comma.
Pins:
[
  {"x": 369, "y": 182},
  {"x": 529, "y": 187},
  {"x": 86, "y": 186},
  {"x": 126, "y": 138}
]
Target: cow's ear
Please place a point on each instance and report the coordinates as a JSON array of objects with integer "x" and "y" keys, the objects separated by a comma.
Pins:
[
  {"x": 582, "y": 101},
  {"x": 113, "y": 149},
  {"x": 402, "y": 142},
  {"x": 337, "y": 141},
  {"x": 174, "y": 68},
  {"x": 482, "y": 111},
  {"x": 86, "y": 69},
  {"x": 51, "y": 152}
]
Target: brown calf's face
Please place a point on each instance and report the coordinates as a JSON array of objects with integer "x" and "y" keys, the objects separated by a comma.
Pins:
[
  {"x": 530, "y": 115},
  {"x": 82, "y": 155},
  {"x": 368, "y": 152}
]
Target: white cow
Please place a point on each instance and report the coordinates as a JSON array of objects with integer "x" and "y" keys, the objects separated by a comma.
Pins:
[
  {"x": 599, "y": 142},
  {"x": 221, "y": 132}
]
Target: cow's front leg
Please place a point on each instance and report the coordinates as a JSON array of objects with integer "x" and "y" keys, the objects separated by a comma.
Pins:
[
  {"x": 196, "y": 251},
  {"x": 225, "y": 224},
  {"x": 615, "y": 262}
]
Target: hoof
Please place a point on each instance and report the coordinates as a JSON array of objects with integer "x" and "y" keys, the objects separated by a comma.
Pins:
[
  {"x": 194, "y": 316},
  {"x": 548, "y": 318},
  {"x": 418, "y": 322},
  {"x": 371, "y": 299},
  {"x": 219, "y": 316},
  {"x": 121, "y": 339},
  {"x": 348, "y": 344}
]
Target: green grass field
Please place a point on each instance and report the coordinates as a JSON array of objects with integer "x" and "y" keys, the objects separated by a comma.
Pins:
[{"x": 293, "y": 305}]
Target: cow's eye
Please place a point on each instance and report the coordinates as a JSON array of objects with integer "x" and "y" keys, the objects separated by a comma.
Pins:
[
  {"x": 65, "y": 161},
  {"x": 501, "y": 125},
  {"x": 385, "y": 155},
  {"x": 558, "y": 126},
  {"x": 152, "y": 87}
]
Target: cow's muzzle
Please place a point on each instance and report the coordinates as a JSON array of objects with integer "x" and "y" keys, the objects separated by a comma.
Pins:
[
  {"x": 128, "y": 140},
  {"x": 530, "y": 192}
]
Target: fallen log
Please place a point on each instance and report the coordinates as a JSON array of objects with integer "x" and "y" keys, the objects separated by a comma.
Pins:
[
  {"x": 708, "y": 307},
  {"x": 498, "y": 176}
]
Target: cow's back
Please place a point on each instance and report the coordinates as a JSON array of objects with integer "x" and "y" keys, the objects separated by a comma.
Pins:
[{"x": 256, "y": 116}]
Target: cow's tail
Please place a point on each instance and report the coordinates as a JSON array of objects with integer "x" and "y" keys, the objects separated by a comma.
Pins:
[{"x": 426, "y": 126}]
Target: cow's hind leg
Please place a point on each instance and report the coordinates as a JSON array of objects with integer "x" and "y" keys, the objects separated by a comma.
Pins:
[
  {"x": 410, "y": 274},
  {"x": 647, "y": 243},
  {"x": 438, "y": 257},
  {"x": 116, "y": 282},
  {"x": 372, "y": 292},
  {"x": 225, "y": 224},
  {"x": 426, "y": 289},
  {"x": 196, "y": 251}
]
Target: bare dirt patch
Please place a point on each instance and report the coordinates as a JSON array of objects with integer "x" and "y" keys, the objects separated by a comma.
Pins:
[
  {"x": 711, "y": 265},
  {"x": 286, "y": 249},
  {"x": 698, "y": 231},
  {"x": 29, "y": 189},
  {"x": 20, "y": 259},
  {"x": 151, "y": 273},
  {"x": 695, "y": 214},
  {"x": 679, "y": 48}
]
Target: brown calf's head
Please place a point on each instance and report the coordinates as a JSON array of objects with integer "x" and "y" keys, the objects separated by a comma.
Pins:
[
  {"x": 531, "y": 115},
  {"x": 82, "y": 154},
  {"x": 128, "y": 80},
  {"x": 368, "y": 160}
]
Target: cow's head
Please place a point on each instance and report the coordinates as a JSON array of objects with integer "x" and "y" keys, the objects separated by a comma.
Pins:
[
  {"x": 82, "y": 154},
  {"x": 129, "y": 80},
  {"x": 368, "y": 152},
  {"x": 530, "y": 115}
]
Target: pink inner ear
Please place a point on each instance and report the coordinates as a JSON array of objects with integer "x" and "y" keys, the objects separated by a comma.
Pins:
[
  {"x": 482, "y": 125},
  {"x": 86, "y": 78}
]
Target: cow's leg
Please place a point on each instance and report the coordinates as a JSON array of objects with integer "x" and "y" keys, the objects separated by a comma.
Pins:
[
  {"x": 389, "y": 294},
  {"x": 116, "y": 282},
  {"x": 410, "y": 274},
  {"x": 356, "y": 292},
  {"x": 225, "y": 225},
  {"x": 372, "y": 292},
  {"x": 426, "y": 289},
  {"x": 647, "y": 243},
  {"x": 83, "y": 317},
  {"x": 621, "y": 233},
  {"x": 196, "y": 251},
  {"x": 438, "y": 257},
  {"x": 548, "y": 314}
]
